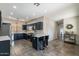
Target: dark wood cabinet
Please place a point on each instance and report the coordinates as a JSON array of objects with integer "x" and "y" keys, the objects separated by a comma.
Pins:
[
  {"x": 16, "y": 36},
  {"x": 24, "y": 27},
  {"x": 25, "y": 36},
  {"x": 35, "y": 26},
  {"x": 38, "y": 26},
  {"x": 19, "y": 36}
]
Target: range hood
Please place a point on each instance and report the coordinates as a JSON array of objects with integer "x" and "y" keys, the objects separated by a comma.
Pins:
[{"x": 0, "y": 20}]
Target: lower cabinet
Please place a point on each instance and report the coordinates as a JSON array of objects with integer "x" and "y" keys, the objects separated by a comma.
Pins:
[
  {"x": 25, "y": 36},
  {"x": 16, "y": 36},
  {"x": 5, "y": 48},
  {"x": 19, "y": 36}
]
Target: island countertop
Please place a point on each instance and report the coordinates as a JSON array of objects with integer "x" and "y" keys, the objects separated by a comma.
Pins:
[
  {"x": 40, "y": 35},
  {"x": 4, "y": 38}
]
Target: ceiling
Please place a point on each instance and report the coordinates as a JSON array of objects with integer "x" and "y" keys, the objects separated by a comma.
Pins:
[{"x": 29, "y": 10}]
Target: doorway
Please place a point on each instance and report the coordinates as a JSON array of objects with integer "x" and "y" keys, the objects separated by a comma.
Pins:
[{"x": 60, "y": 30}]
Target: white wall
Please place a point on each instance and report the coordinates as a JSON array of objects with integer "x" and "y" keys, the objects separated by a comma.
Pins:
[
  {"x": 77, "y": 41},
  {"x": 50, "y": 28},
  {"x": 75, "y": 22},
  {"x": 67, "y": 12},
  {"x": 71, "y": 20}
]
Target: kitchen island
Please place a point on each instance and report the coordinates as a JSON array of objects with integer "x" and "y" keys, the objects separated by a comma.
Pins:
[{"x": 40, "y": 42}]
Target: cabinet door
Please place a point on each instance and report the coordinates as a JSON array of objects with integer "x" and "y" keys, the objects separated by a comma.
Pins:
[
  {"x": 39, "y": 26},
  {"x": 21, "y": 36},
  {"x": 15, "y": 37},
  {"x": 24, "y": 27},
  {"x": 25, "y": 36}
]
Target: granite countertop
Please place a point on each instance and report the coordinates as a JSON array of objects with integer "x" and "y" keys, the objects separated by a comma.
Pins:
[
  {"x": 30, "y": 31},
  {"x": 39, "y": 35},
  {"x": 18, "y": 32},
  {"x": 3, "y": 38}
]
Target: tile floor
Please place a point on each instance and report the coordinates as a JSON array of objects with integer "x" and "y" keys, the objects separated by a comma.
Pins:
[{"x": 55, "y": 48}]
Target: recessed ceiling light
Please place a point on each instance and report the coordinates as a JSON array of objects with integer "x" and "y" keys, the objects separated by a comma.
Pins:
[
  {"x": 11, "y": 13},
  {"x": 14, "y": 7}
]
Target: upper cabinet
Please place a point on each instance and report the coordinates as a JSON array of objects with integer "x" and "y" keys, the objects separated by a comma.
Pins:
[
  {"x": 24, "y": 27},
  {"x": 38, "y": 26},
  {"x": 33, "y": 26}
]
